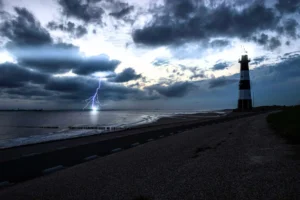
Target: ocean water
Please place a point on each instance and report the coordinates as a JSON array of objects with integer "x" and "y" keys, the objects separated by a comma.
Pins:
[{"x": 24, "y": 127}]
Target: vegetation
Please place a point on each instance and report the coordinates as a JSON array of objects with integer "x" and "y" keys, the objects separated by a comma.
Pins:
[
  {"x": 287, "y": 123},
  {"x": 264, "y": 108}
]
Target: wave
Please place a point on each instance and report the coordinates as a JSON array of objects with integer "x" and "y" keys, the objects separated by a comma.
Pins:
[
  {"x": 118, "y": 120},
  {"x": 75, "y": 132}
]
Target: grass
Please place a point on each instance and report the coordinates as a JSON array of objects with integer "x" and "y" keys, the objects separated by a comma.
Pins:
[
  {"x": 287, "y": 123},
  {"x": 263, "y": 108}
]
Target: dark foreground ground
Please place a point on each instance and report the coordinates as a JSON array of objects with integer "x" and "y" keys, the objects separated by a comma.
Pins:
[
  {"x": 40, "y": 159},
  {"x": 287, "y": 123},
  {"x": 239, "y": 159}
]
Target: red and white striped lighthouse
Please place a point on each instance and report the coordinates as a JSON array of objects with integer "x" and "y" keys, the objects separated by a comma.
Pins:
[{"x": 245, "y": 101}]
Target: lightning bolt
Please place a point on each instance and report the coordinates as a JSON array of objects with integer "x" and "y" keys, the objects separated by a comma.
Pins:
[{"x": 94, "y": 100}]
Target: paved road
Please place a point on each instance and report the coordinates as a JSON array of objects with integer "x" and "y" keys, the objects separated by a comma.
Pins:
[
  {"x": 24, "y": 163},
  {"x": 189, "y": 122},
  {"x": 240, "y": 159}
]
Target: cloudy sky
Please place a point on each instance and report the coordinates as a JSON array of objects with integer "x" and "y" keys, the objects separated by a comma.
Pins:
[{"x": 148, "y": 54}]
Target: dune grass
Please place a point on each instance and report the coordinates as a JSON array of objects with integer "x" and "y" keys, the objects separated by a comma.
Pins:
[{"x": 287, "y": 123}]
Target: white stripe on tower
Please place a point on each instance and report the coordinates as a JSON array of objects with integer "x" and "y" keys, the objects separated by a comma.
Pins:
[{"x": 244, "y": 94}]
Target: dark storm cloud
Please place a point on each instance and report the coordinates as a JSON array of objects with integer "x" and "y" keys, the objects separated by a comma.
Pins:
[
  {"x": 71, "y": 84},
  {"x": 269, "y": 43},
  {"x": 54, "y": 58},
  {"x": 188, "y": 68},
  {"x": 219, "y": 43},
  {"x": 297, "y": 53},
  {"x": 274, "y": 43},
  {"x": 86, "y": 11},
  {"x": 263, "y": 39},
  {"x": 70, "y": 27},
  {"x": 263, "y": 76},
  {"x": 25, "y": 30},
  {"x": 288, "y": 6},
  {"x": 126, "y": 75},
  {"x": 290, "y": 27},
  {"x": 178, "y": 89},
  {"x": 94, "y": 64},
  {"x": 220, "y": 66},
  {"x": 181, "y": 9},
  {"x": 196, "y": 72},
  {"x": 287, "y": 69},
  {"x": 29, "y": 91},
  {"x": 33, "y": 47},
  {"x": 198, "y": 75},
  {"x": 80, "y": 88},
  {"x": 258, "y": 60},
  {"x": 278, "y": 82},
  {"x": 80, "y": 31},
  {"x": 119, "y": 92},
  {"x": 52, "y": 25},
  {"x": 61, "y": 58},
  {"x": 4, "y": 15},
  {"x": 185, "y": 20},
  {"x": 121, "y": 10},
  {"x": 220, "y": 82},
  {"x": 124, "y": 11},
  {"x": 76, "y": 89},
  {"x": 13, "y": 76},
  {"x": 270, "y": 84}
]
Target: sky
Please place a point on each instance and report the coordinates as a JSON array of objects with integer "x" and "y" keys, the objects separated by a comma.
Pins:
[{"x": 147, "y": 54}]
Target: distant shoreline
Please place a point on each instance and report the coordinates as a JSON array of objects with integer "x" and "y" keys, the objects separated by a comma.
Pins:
[
  {"x": 161, "y": 121},
  {"x": 92, "y": 130},
  {"x": 264, "y": 107},
  {"x": 89, "y": 110}
]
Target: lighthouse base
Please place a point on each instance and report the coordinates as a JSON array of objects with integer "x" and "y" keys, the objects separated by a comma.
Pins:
[{"x": 244, "y": 104}]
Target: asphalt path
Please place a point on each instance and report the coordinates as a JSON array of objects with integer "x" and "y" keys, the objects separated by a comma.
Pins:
[{"x": 30, "y": 165}]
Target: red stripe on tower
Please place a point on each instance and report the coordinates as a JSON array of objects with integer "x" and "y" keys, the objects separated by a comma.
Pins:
[{"x": 245, "y": 101}]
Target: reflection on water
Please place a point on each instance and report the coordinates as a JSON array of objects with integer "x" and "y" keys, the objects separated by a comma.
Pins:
[
  {"x": 13, "y": 131},
  {"x": 94, "y": 116}
]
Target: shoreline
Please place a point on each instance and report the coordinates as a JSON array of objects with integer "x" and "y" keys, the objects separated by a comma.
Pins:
[
  {"x": 37, "y": 158},
  {"x": 157, "y": 124},
  {"x": 89, "y": 130}
]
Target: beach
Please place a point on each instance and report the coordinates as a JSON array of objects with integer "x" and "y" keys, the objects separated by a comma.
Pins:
[{"x": 236, "y": 159}]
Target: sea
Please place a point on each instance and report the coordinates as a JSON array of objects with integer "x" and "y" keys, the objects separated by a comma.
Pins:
[{"x": 29, "y": 127}]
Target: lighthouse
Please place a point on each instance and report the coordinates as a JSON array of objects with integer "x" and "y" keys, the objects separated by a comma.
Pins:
[{"x": 245, "y": 101}]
